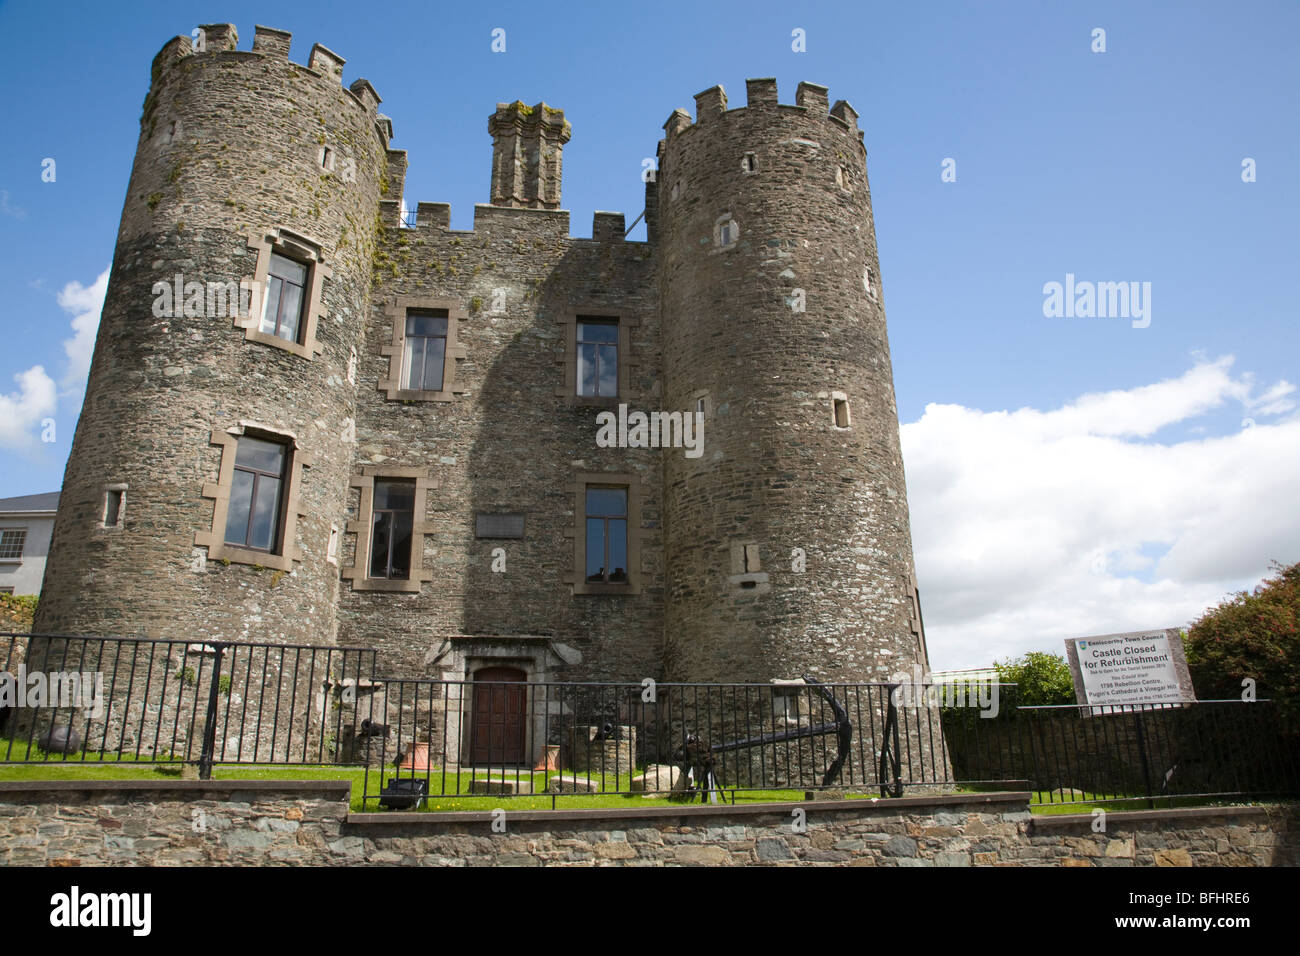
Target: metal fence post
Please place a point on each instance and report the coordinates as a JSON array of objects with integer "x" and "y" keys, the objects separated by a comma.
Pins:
[
  {"x": 210, "y": 721},
  {"x": 1142, "y": 755}
]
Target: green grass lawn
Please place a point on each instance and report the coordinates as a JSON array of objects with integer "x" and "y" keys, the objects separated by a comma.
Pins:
[{"x": 447, "y": 785}]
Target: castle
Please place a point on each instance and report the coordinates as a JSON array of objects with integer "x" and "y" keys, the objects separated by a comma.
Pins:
[{"x": 314, "y": 419}]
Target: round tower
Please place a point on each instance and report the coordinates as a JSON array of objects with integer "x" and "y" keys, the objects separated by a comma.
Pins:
[
  {"x": 787, "y": 540},
  {"x": 205, "y": 491}
]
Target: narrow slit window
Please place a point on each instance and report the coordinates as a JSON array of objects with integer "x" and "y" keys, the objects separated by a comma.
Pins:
[
  {"x": 113, "y": 507},
  {"x": 748, "y": 164},
  {"x": 842, "y": 419}
]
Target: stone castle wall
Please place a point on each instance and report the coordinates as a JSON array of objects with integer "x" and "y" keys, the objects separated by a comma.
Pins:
[
  {"x": 771, "y": 327},
  {"x": 277, "y": 823},
  {"x": 242, "y": 149},
  {"x": 229, "y": 148}
]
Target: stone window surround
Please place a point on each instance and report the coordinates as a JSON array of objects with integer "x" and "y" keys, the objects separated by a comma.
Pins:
[
  {"x": 396, "y": 310},
  {"x": 569, "y": 392},
  {"x": 836, "y": 398},
  {"x": 696, "y": 397},
  {"x": 306, "y": 250},
  {"x": 359, "y": 573},
  {"x": 121, "y": 508},
  {"x": 726, "y": 219},
  {"x": 219, "y": 491},
  {"x": 577, "y": 579}
]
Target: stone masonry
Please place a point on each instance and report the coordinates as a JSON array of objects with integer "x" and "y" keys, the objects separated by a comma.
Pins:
[
  {"x": 783, "y": 549},
  {"x": 270, "y": 823}
]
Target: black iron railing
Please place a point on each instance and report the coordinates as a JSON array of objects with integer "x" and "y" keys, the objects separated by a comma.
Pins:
[
  {"x": 106, "y": 699},
  {"x": 455, "y": 739},
  {"x": 102, "y": 699}
]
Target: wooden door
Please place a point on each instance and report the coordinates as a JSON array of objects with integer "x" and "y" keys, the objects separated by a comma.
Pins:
[{"x": 500, "y": 716}]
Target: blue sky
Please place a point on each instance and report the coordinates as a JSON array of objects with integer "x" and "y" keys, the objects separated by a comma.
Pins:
[{"x": 1117, "y": 166}]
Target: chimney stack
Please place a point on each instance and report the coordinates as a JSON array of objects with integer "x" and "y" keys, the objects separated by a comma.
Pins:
[{"x": 527, "y": 145}]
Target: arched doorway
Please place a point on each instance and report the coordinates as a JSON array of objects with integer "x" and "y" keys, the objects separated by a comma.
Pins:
[{"x": 499, "y": 728}]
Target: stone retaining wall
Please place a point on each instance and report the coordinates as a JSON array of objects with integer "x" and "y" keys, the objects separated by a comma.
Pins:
[{"x": 263, "y": 823}]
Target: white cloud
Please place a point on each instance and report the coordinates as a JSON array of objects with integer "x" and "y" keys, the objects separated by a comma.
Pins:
[
  {"x": 1034, "y": 526},
  {"x": 37, "y": 398},
  {"x": 85, "y": 304},
  {"x": 21, "y": 412}
]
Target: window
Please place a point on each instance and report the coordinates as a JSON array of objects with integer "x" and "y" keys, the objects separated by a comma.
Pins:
[
  {"x": 253, "y": 516},
  {"x": 426, "y": 351},
  {"x": 423, "y": 351},
  {"x": 599, "y": 364},
  {"x": 326, "y": 157},
  {"x": 114, "y": 505},
  {"x": 597, "y": 372},
  {"x": 726, "y": 232},
  {"x": 748, "y": 164},
  {"x": 289, "y": 275},
  {"x": 392, "y": 520},
  {"x": 498, "y": 526},
  {"x": 12, "y": 541},
  {"x": 390, "y": 528},
  {"x": 606, "y": 535},
  {"x": 255, "y": 498},
  {"x": 285, "y": 284},
  {"x": 840, "y": 410}
]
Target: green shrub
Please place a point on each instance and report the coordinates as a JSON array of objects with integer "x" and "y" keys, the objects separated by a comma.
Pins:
[
  {"x": 1041, "y": 678},
  {"x": 1250, "y": 635},
  {"x": 17, "y": 611}
]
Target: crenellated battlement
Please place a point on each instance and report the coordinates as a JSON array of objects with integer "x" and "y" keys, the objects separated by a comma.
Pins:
[
  {"x": 606, "y": 227},
  {"x": 270, "y": 43},
  {"x": 761, "y": 98}
]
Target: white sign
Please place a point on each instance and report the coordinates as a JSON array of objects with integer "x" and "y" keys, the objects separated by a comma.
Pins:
[{"x": 1142, "y": 667}]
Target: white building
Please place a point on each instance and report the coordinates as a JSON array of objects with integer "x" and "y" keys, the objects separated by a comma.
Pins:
[{"x": 26, "y": 523}]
